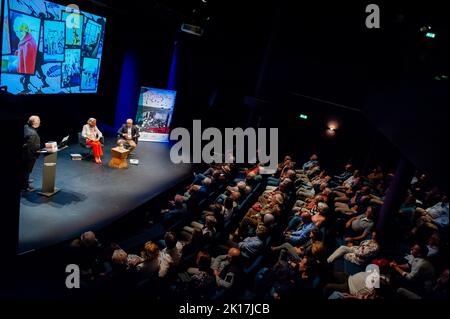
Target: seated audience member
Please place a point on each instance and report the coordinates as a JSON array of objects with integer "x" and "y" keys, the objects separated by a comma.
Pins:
[
  {"x": 149, "y": 267},
  {"x": 407, "y": 212},
  {"x": 305, "y": 192},
  {"x": 309, "y": 204},
  {"x": 313, "y": 160},
  {"x": 296, "y": 253},
  {"x": 286, "y": 161},
  {"x": 240, "y": 187},
  {"x": 313, "y": 171},
  {"x": 433, "y": 245},
  {"x": 267, "y": 204},
  {"x": 378, "y": 194},
  {"x": 433, "y": 217},
  {"x": 251, "y": 247},
  {"x": 171, "y": 255},
  {"x": 217, "y": 211},
  {"x": 320, "y": 215},
  {"x": 312, "y": 266},
  {"x": 286, "y": 172},
  {"x": 217, "y": 179},
  {"x": 351, "y": 182},
  {"x": 191, "y": 193},
  {"x": 350, "y": 206},
  {"x": 128, "y": 135},
  {"x": 194, "y": 244},
  {"x": 438, "y": 292},
  {"x": 360, "y": 227},
  {"x": 269, "y": 222},
  {"x": 282, "y": 286},
  {"x": 122, "y": 275},
  {"x": 229, "y": 207},
  {"x": 93, "y": 138},
  {"x": 431, "y": 197},
  {"x": 204, "y": 189},
  {"x": 321, "y": 178},
  {"x": 358, "y": 254},
  {"x": 88, "y": 253},
  {"x": 351, "y": 286},
  {"x": 301, "y": 235},
  {"x": 203, "y": 282},
  {"x": 348, "y": 171},
  {"x": 419, "y": 184},
  {"x": 226, "y": 268},
  {"x": 417, "y": 273},
  {"x": 376, "y": 176},
  {"x": 178, "y": 209},
  {"x": 209, "y": 229}
]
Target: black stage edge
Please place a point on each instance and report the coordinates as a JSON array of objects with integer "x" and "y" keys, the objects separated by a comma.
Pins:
[{"x": 92, "y": 196}]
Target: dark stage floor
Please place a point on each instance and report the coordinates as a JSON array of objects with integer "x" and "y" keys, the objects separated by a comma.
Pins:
[{"x": 92, "y": 195}]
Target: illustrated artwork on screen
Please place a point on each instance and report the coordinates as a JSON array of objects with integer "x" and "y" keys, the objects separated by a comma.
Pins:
[
  {"x": 154, "y": 114},
  {"x": 48, "y": 48}
]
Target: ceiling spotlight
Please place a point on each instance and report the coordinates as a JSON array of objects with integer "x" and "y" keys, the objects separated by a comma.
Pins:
[
  {"x": 333, "y": 125},
  {"x": 330, "y": 132},
  {"x": 425, "y": 28}
]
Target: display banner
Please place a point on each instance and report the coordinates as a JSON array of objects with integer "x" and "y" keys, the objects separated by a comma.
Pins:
[{"x": 154, "y": 114}]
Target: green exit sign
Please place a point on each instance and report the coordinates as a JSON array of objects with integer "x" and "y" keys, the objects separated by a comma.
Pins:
[
  {"x": 430, "y": 35},
  {"x": 303, "y": 116}
]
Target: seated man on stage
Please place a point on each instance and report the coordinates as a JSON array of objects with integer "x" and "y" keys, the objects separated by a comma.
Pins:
[
  {"x": 128, "y": 135},
  {"x": 93, "y": 136}
]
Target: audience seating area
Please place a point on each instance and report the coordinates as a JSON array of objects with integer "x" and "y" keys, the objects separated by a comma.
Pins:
[{"x": 235, "y": 233}]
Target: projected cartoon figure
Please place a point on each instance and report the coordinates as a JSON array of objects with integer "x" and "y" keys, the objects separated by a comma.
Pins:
[
  {"x": 71, "y": 73},
  {"x": 39, "y": 60},
  {"x": 27, "y": 47},
  {"x": 75, "y": 37},
  {"x": 50, "y": 48},
  {"x": 54, "y": 37},
  {"x": 89, "y": 74},
  {"x": 91, "y": 38}
]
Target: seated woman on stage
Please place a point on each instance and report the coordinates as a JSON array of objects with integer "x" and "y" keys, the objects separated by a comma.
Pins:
[{"x": 93, "y": 135}]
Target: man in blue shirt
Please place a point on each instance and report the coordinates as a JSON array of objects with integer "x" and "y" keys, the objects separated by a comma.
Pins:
[
  {"x": 252, "y": 246},
  {"x": 433, "y": 217},
  {"x": 301, "y": 236}
]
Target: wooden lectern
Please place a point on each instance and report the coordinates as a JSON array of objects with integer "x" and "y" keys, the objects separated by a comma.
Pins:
[{"x": 119, "y": 157}]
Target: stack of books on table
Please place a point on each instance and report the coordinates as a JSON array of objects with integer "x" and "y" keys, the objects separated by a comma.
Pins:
[{"x": 76, "y": 157}]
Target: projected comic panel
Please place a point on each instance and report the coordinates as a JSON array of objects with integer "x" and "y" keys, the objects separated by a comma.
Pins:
[
  {"x": 48, "y": 48},
  {"x": 154, "y": 114}
]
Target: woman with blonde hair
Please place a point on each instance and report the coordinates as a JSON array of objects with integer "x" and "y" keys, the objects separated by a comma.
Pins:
[{"x": 93, "y": 138}]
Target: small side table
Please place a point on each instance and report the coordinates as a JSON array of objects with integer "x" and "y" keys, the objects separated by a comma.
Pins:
[{"x": 119, "y": 157}]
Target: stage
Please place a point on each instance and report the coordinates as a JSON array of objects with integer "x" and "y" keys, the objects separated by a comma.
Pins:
[{"x": 92, "y": 196}]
